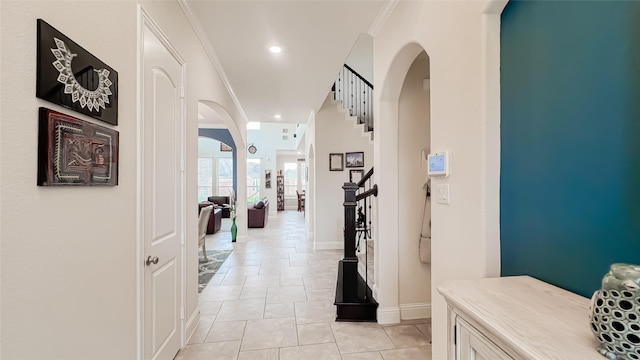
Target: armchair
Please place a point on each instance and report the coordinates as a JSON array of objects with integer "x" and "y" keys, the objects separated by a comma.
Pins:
[{"x": 203, "y": 221}]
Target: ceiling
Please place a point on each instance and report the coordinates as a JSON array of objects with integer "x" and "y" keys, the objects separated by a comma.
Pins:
[{"x": 315, "y": 37}]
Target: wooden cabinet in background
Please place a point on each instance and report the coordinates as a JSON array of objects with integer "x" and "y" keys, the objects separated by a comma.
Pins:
[{"x": 280, "y": 180}]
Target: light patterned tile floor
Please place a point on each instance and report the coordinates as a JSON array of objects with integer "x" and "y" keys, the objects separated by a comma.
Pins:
[{"x": 273, "y": 299}]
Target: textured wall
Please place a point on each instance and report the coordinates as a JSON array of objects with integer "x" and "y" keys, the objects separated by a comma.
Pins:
[{"x": 570, "y": 85}]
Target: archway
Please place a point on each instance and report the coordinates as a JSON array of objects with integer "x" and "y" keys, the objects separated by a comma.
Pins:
[
  {"x": 463, "y": 45},
  {"x": 209, "y": 109},
  {"x": 387, "y": 168},
  {"x": 414, "y": 208}
]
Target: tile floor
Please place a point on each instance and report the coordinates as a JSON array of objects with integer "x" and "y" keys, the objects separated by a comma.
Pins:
[{"x": 273, "y": 299}]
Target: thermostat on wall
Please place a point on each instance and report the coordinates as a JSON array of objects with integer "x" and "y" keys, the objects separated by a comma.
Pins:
[{"x": 438, "y": 164}]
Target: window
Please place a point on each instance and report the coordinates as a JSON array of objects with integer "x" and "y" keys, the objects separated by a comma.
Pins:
[
  {"x": 290, "y": 179},
  {"x": 205, "y": 178},
  {"x": 225, "y": 176},
  {"x": 253, "y": 180}
]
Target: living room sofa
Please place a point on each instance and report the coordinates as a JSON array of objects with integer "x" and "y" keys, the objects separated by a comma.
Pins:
[
  {"x": 221, "y": 202},
  {"x": 258, "y": 214}
]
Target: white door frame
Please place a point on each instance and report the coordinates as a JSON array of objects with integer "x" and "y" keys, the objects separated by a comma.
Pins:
[{"x": 145, "y": 20}]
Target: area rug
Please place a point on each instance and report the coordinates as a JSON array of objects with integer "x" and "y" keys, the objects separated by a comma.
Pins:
[{"x": 208, "y": 268}]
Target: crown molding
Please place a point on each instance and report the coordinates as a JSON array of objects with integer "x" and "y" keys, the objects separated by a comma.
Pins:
[
  {"x": 211, "y": 53},
  {"x": 382, "y": 17}
]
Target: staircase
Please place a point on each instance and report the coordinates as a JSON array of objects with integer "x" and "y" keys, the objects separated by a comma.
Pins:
[{"x": 355, "y": 94}]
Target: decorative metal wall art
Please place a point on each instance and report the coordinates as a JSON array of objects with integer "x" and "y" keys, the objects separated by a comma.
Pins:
[
  {"x": 75, "y": 152},
  {"x": 70, "y": 76}
]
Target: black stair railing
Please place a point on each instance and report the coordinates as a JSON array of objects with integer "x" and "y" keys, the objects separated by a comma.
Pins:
[
  {"x": 353, "y": 296},
  {"x": 356, "y": 95},
  {"x": 363, "y": 221}
]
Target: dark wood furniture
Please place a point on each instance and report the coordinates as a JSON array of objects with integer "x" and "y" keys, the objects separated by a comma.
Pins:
[
  {"x": 221, "y": 202},
  {"x": 280, "y": 180}
]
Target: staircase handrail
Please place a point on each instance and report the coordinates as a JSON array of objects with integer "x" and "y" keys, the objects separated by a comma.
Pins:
[
  {"x": 365, "y": 178},
  {"x": 359, "y": 76},
  {"x": 356, "y": 95}
]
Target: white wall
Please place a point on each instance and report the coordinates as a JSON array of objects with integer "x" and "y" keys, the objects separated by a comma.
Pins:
[
  {"x": 269, "y": 139},
  {"x": 462, "y": 40},
  {"x": 413, "y": 134},
  {"x": 69, "y": 256},
  {"x": 301, "y": 129},
  {"x": 334, "y": 133},
  {"x": 68, "y": 253},
  {"x": 360, "y": 58},
  {"x": 311, "y": 157}
]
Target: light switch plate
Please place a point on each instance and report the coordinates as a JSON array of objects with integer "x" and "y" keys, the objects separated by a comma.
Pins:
[{"x": 442, "y": 194}]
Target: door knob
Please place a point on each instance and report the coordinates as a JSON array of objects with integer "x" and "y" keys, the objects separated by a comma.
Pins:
[{"x": 152, "y": 260}]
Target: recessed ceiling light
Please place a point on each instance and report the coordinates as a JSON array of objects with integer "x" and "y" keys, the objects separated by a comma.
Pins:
[
  {"x": 277, "y": 116},
  {"x": 275, "y": 49}
]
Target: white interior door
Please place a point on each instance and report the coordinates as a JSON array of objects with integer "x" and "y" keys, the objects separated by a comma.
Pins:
[{"x": 163, "y": 199}]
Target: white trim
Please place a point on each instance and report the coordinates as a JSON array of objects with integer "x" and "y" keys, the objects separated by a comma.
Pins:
[
  {"x": 328, "y": 245},
  {"x": 382, "y": 17},
  {"x": 415, "y": 311},
  {"x": 192, "y": 324},
  {"x": 144, "y": 19},
  {"x": 242, "y": 239},
  {"x": 139, "y": 176},
  {"x": 311, "y": 235},
  {"x": 389, "y": 315}
]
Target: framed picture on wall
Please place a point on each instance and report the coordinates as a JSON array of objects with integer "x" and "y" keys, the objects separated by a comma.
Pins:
[
  {"x": 355, "y": 159},
  {"x": 225, "y": 147},
  {"x": 267, "y": 179},
  {"x": 75, "y": 152},
  {"x": 355, "y": 176},
  {"x": 336, "y": 162}
]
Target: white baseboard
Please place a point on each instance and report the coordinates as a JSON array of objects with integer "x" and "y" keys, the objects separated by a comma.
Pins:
[
  {"x": 415, "y": 311},
  {"x": 328, "y": 245},
  {"x": 311, "y": 235},
  {"x": 389, "y": 315},
  {"x": 191, "y": 325}
]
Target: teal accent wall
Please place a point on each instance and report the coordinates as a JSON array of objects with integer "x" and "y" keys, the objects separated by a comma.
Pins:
[{"x": 570, "y": 140}]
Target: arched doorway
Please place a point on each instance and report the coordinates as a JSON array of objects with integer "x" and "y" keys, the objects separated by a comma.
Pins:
[
  {"x": 212, "y": 114},
  {"x": 387, "y": 154},
  {"x": 463, "y": 46},
  {"x": 414, "y": 210}
]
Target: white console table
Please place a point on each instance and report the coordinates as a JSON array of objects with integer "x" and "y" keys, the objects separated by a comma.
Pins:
[{"x": 517, "y": 318}]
